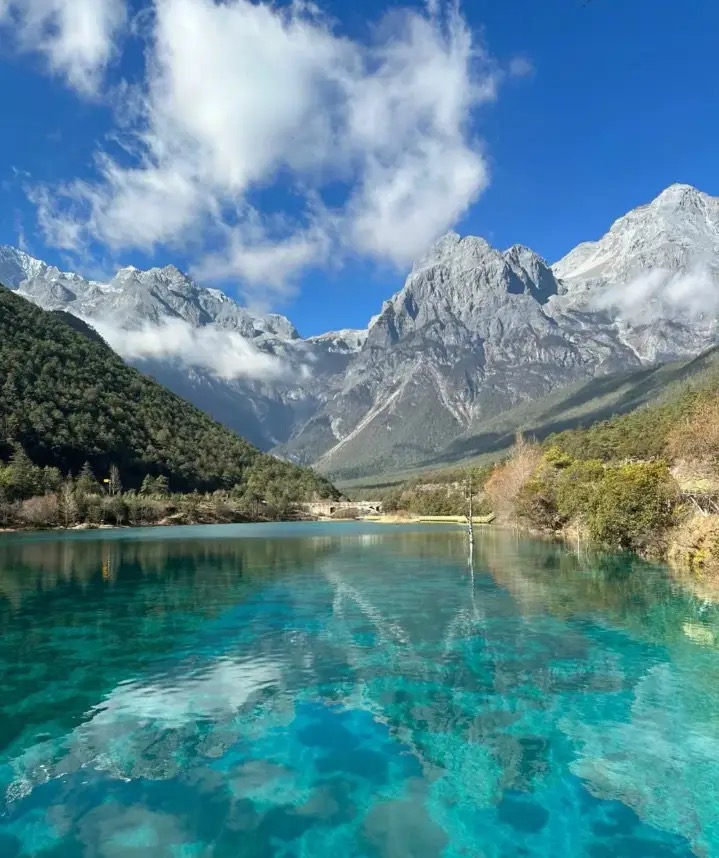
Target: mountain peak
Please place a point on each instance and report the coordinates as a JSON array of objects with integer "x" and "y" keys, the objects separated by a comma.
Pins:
[
  {"x": 452, "y": 247},
  {"x": 677, "y": 190},
  {"x": 16, "y": 266},
  {"x": 172, "y": 272},
  {"x": 675, "y": 231}
]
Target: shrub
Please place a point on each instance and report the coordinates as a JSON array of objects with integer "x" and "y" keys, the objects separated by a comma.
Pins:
[
  {"x": 696, "y": 438},
  {"x": 115, "y": 510},
  {"x": 41, "y": 511},
  {"x": 633, "y": 506},
  {"x": 577, "y": 487},
  {"x": 620, "y": 506},
  {"x": 694, "y": 544}
]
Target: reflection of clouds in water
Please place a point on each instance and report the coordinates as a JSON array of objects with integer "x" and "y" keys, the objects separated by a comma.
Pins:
[
  {"x": 653, "y": 763},
  {"x": 214, "y": 691},
  {"x": 159, "y": 715},
  {"x": 113, "y": 830}
]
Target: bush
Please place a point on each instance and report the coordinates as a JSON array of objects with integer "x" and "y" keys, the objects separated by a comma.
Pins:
[
  {"x": 577, "y": 487},
  {"x": 696, "y": 438},
  {"x": 695, "y": 544},
  {"x": 633, "y": 506},
  {"x": 42, "y": 511},
  {"x": 115, "y": 510},
  {"x": 620, "y": 506}
]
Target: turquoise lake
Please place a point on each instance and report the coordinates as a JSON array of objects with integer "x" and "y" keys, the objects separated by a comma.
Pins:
[{"x": 351, "y": 690}]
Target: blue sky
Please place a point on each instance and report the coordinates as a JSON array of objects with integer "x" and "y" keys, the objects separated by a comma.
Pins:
[{"x": 559, "y": 118}]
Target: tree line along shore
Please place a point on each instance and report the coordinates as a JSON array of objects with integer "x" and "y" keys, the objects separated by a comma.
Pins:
[{"x": 646, "y": 482}]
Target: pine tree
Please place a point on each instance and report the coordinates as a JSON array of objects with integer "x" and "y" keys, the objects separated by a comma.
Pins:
[{"x": 86, "y": 483}]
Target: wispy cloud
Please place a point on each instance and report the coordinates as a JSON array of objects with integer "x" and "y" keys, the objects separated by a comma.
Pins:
[
  {"x": 242, "y": 95},
  {"x": 662, "y": 294},
  {"x": 76, "y": 38},
  {"x": 521, "y": 66},
  {"x": 225, "y": 354}
]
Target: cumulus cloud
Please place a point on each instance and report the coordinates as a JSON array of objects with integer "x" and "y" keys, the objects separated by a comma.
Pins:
[
  {"x": 75, "y": 37},
  {"x": 663, "y": 294},
  {"x": 240, "y": 97},
  {"x": 225, "y": 354}
]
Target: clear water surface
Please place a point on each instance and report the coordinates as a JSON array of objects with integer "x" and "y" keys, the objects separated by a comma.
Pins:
[{"x": 350, "y": 690}]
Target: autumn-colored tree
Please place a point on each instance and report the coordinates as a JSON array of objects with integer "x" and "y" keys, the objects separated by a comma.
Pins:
[{"x": 509, "y": 478}]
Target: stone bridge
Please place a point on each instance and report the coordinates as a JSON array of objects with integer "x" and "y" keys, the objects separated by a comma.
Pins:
[{"x": 329, "y": 508}]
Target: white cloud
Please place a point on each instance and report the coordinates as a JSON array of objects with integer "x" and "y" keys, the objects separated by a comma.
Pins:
[
  {"x": 76, "y": 37},
  {"x": 521, "y": 66},
  {"x": 225, "y": 354},
  {"x": 663, "y": 294},
  {"x": 265, "y": 266},
  {"x": 242, "y": 96}
]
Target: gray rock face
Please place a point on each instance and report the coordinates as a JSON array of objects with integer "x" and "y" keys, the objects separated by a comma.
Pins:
[
  {"x": 473, "y": 332},
  {"x": 469, "y": 335}
]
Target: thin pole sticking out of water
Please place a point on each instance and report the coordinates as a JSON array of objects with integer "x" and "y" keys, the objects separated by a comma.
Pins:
[{"x": 470, "y": 521}]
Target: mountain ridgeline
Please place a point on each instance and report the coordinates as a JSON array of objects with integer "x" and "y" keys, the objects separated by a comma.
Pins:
[
  {"x": 475, "y": 342},
  {"x": 66, "y": 399}
]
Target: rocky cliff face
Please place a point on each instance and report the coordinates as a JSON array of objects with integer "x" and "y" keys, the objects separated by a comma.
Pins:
[
  {"x": 473, "y": 332},
  {"x": 469, "y": 335}
]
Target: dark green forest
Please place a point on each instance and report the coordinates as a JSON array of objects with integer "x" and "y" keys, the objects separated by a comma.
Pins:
[{"x": 67, "y": 399}]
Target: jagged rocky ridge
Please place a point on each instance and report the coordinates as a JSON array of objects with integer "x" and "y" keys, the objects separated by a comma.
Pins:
[{"x": 473, "y": 332}]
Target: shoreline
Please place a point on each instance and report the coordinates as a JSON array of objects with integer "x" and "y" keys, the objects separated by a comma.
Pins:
[
  {"x": 80, "y": 528},
  {"x": 373, "y": 519}
]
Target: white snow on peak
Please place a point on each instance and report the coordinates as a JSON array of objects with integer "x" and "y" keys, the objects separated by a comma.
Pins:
[
  {"x": 17, "y": 266},
  {"x": 678, "y": 229},
  {"x": 347, "y": 340}
]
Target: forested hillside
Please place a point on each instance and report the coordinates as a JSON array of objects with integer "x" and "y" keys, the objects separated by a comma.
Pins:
[{"x": 66, "y": 399}]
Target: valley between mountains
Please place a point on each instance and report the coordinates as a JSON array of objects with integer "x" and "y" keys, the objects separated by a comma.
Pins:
[{"x": 478, "y": 341}]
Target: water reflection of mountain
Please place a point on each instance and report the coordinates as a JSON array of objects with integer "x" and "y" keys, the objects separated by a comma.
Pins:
[
  {"x": 32, "y": 567},
  {"x": 490, "y": 683}
]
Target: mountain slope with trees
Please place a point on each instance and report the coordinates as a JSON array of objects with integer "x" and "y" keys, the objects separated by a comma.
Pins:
[{"x": 67, "y": 399}]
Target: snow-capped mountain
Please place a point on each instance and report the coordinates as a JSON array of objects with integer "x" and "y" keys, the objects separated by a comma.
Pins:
[
  {"x": 249, "y": 371},
  {"x": 133, "y": 298},
  {"x": 677, "y": 231},
  {"x": 473, "y": 332},
  {"x": 469, "y": 335},
  {"x": 655, "y": 274}
]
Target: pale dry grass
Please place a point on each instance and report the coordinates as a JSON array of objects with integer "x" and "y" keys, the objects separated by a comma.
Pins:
[{"x": 695, "y": 439}]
